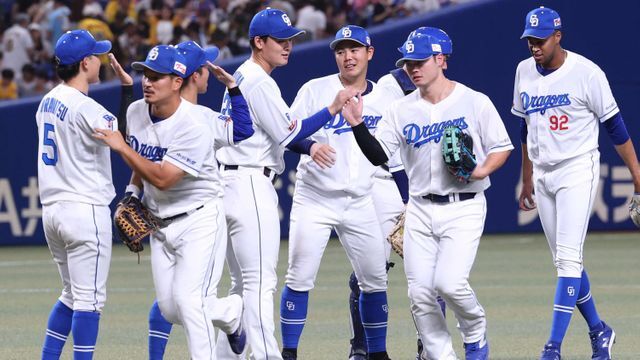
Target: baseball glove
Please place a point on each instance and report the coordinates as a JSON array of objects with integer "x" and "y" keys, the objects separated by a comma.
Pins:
[
  {"x": 134, "y": 222},
  {"x": 396, "y": 235},
  {"x": 634, "y": 209},
  {"x": 457, "y": 152}
]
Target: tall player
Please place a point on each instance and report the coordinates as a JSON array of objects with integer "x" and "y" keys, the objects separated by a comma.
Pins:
[
  {"x": 75, "y": 184},
  {"x": 249, "y": 169},
  {"x": 344, "y": 189},
  {"x": 561, "y": 98},
  {"x": 445, "y": 217},
  {"x": 172, "y": 151},
  {"x": 392, "y": 185},
  {"x": 225, "y": 132}
]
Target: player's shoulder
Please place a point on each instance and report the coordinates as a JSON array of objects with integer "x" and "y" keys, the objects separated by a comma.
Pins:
[
  {"x": 527, "y": 64},
  {"x": 471, "y": 95},
  {"x": 137, "y": 106},
  {"x": 323, "y": 82},
  {"x": 387, "y": 80},
  {"x": 208, "y": 113},
  {"x": 582, "y": 63}
]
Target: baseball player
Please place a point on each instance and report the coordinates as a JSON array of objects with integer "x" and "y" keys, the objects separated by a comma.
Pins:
[
  {"x": 445, "y": 217},
  {"x": 386, "y": 193},
  {"x": 345, "y": 189},
  {"x": 225, "y": 132},
  {"x": 75, "y": 185},
  {"x": 561, "y": 98},
  {"x": 172, "y": 151},
  {"x": 249, "y": 170}
]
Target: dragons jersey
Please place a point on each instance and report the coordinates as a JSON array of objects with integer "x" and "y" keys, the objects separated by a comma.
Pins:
[
  {"x": 72, "y": 165},
  {"x": 186, "y": 140},
  {"x": 414, "y": 127},
  {"x": 562, "y": 109}
]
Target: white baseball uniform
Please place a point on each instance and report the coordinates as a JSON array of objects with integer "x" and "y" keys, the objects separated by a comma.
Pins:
[
  {"x": 252, "y": 206},
  {"x": 563, "y": 111},
  {"x": 445, "y": 218},
  {"x": 185, "y": 267},
  {"x": 338, "y": 197},
  {"x": 74, "y": 179}
]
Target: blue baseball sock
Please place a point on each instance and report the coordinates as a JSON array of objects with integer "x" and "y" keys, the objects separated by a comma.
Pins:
[
  {"x": 293, "y": 315},
  {"x": 58, "y": 328},
  {"x": 85, "y": 333},
  {"x": 587, "y": 305},
  {"x": 567, "y": 290},
  {"x": 374, "y": 312},
  {"x": 159, "y": 330}
]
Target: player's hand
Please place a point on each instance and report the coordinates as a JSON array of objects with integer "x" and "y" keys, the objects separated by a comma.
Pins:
[
  {"x": 527, "y": 199},
  {"x": 352, "y": 110},
  {"x": 125, "y": 79},
  {"x": 341, "y": 99},
  {"x": 112, "y": 138},
  {"x": 221, "y": 75},
  {"x": 323, "y": 155}
]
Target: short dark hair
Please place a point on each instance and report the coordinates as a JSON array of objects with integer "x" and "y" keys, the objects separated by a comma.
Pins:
[
  {"x": 252, "y": 41},
  {"x": 8, "y": 74},
  {"x": 67, "y": 72}
]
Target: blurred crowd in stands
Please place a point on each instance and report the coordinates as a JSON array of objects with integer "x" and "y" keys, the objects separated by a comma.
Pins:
[{"x": 29, "y": 29}]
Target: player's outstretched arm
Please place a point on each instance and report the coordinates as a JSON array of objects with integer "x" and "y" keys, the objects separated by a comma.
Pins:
[
  {"x": 369, "y": 145},
  {"x": 126, "y": 93},
  {"x": 163, "y": 176}
]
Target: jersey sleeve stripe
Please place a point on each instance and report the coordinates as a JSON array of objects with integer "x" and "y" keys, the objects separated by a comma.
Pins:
[
  {"x": 291, "y": 135},
  {"x": 181, "y": 165},
  {"x": 610, "y": 114},
  {"x": 518, "y": 113}
]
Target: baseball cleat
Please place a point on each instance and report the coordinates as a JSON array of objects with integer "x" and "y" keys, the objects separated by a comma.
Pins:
[
  {"x": 550, "y": 352},
  {"x": 478, "y": 350},
  {"x": 238, "y": 340},
  {"x": 602, "y": 341},
  {"x": 289, "y": 354},
  {"x": 420, "y": 350},
  {"x": 357, "y": 354}
]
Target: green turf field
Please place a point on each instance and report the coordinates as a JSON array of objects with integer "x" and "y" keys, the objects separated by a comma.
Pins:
[{"x": 513, "y": 278}]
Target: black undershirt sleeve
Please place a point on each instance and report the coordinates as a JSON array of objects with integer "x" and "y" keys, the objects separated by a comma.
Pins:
[{"x": 369, "y": 145}]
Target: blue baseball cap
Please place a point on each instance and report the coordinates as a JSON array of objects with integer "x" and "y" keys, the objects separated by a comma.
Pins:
[
  {"x": 438, "y": 34},
  {"x": 273, "y": 23},
  {"x": 163, "y": 59},
  {"x": 540, "y": 23},
  {"x": 420, "y": 47},
  {"x": 196, "y": 56},
  {"x": 351, "y": 33},
  {"x": 75, "y": 45}
]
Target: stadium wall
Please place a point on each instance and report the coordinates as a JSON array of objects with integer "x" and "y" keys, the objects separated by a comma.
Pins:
[{"x": 487, "y": 50}]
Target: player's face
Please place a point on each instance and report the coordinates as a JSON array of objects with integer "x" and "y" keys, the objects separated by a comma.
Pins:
[
  {"x": 157, "y": 87},
  {"x": 202, "y": 80},
  {"x": 274, "y": 51},
  {"x": 546, "y": 52},
  {"x": 352, "y": 59},
  {"x": 425, "y": 72},
  {"x": 92, "y": 64}
]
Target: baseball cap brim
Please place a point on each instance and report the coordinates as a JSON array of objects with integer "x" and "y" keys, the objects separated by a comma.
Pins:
[
  {"x": 211, "y": 54},
  {"x": 141, "y": 65},
  {"x": 286, "y": 34},
  {"x": 335, "y": 42},
  {"x": 537, "y": 33},
  {"x": 400, "y": 62},
  {"x": 102, "y": 47}
]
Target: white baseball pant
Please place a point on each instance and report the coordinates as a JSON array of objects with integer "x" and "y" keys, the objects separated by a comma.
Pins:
[
  {"x": 565, "y": 196},
  {"x": 253, "y": 224},
  {"x": 313, "y": 214},
  {"x": 183, "y": 263},
  {"x": 440, "y": 245},
  {"x": 80, "y": 239}
]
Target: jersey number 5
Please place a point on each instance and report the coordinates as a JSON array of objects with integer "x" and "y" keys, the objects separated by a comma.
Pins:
[
  {"x": 50, "y": 141},
  {"x": 558, "y": 123}
]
